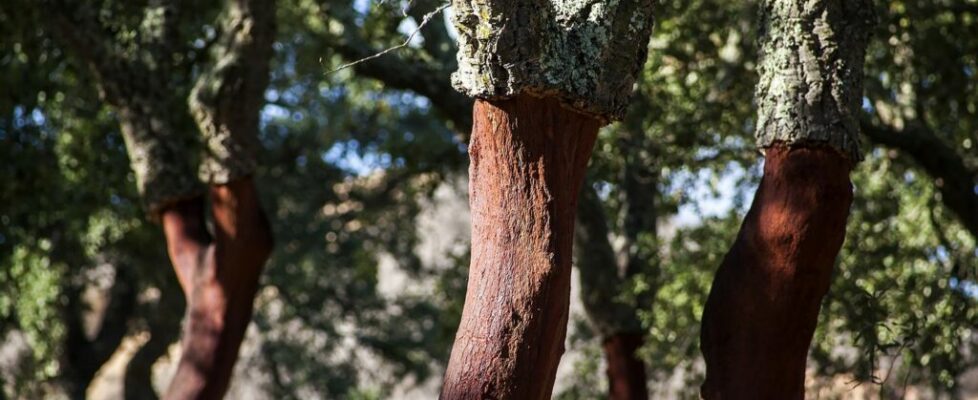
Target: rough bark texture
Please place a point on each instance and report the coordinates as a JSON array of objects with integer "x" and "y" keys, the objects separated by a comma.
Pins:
[
  {"x": 585, "y": 53},
  {"x": 155, "y": 124},
  {"x": 228, "y": 97},
  {"x": 549, "y": 73},
  {"x": 811, "y": 58},
  {"x": 762, "y": 310},
  {"x": 219, "y": 276},
  {"x": 763, "y": 307},
  {"x": 528, "y": 161},
  {"x": 626, "y": 373},
  {"x": 136, "y": 75}
]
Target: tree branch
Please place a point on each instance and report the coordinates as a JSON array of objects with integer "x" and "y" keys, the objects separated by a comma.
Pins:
[
  {"x": 421, "y": 24},
  {"x": 437, "y": 42},
  {"x": 956, "y": 182},
  {"x": 409, "y": 73},
  {"x": 397, "y": 72}
]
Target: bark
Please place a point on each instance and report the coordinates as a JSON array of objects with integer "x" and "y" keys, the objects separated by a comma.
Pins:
[
  {"x": 528, "y": 161},
  {"x": 219, "y": 276},
  {"x": 811, "y": 62},
  {"x": 587, "y": 54},
  {"x": 762, "y": 309},
  {"x": 227, "y": 98},
  {"x": 547, "y": 74}
]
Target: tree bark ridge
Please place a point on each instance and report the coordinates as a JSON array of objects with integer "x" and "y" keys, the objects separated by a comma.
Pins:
[
  {"x": 811, "y": 66},
  {"x": 586, "y": 54}
]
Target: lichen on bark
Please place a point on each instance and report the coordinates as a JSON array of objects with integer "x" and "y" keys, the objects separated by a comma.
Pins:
[
  {"x": 227, "y": 98},
  {"x": 811, "y": 63},
  {"x": 586, "y": 53}
]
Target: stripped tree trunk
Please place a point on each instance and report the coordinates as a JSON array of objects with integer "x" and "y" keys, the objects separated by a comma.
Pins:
[
  {"x": 762, "y": 310},
  {"x": 547, "y": 74},
  {"x": 528, "y": 159},
  {"x": 220, "y": 274},
  {"x": 218, "y": 271}
]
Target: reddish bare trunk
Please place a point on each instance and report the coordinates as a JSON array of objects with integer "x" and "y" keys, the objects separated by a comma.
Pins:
[
  {"x": 528, "y": 157},
  {"x": 626, "y": 372},
  {"x": 219, "y": 277},
  {"x": 762, "y": 310}
]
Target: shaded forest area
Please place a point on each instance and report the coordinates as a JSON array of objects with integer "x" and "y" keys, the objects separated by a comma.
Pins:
[{"x": 359, "y": 157}]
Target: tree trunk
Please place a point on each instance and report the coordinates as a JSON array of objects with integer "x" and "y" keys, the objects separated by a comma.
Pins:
[
  {"x": 762, "y": 310},
  {"x": 219, "y": 277},
  {"x": 626, "y": 372},
  {"x": 528, "y": 160},
  {"x": 547, "y": 74},
  {"x": 764, "y": 303},
  {"x": 602, "y": 284}
]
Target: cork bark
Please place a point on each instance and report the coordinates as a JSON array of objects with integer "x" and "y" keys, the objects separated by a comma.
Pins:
[
  {"x": 528, "y": 160},
  {"x": 586, "y": 53},
  {"x": 220, "y": 274},
  {"x": 137, "y": 74},
  {"x": 228, "y": 96},
  {"x": 811, "y": 63},
  {"x": 130, "y": 73},
  {"x": 763, "y": 307},
  {"x": 547, "y": 74}
]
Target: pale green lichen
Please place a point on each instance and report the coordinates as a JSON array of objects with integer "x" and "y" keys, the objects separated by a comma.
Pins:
[
  {"x": 811, "y": 61},
  {"x": 587, "y": 53},
  {"x": 228, "y": 97},
  {"x": 158, "y": 157}
]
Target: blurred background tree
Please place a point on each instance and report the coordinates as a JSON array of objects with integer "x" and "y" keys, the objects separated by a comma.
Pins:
[{"x": 364, "y": 166}]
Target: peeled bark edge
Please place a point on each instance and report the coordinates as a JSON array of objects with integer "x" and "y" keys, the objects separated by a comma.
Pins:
[
  {"x": 587, "y": 54},
  {"x": 811, "y": 67}
]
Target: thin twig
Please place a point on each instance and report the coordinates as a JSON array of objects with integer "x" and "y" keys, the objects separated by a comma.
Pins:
[{"x": 424, "y": 21}]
